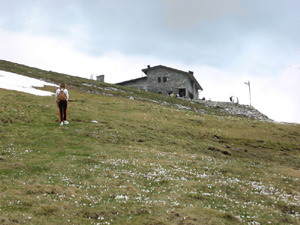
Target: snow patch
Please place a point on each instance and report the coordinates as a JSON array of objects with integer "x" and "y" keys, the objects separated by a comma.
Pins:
[{"x": 16, "y": 82}]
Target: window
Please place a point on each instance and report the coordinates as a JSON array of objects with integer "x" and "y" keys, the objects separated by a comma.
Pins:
[
  {"x": 159, "y": 79},
  {"x": 165, "y": 79}
]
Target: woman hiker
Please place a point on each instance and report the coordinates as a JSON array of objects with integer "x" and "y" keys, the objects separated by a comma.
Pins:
[{"x": 62, "y": 97}]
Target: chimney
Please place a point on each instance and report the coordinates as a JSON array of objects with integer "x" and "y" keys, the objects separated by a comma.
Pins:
[
  {"x": 148, "y": 66},
  {"x": 191, "y": 72},
  {"x": 100, "y": 78}
]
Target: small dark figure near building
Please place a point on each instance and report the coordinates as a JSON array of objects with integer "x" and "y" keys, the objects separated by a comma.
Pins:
[{"x": 234, "y": 99}]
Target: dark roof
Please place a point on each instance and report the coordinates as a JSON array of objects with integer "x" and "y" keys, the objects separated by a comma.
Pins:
[
  {"x": 133, "y": 80},
  {"x": 190, "y": 74}
]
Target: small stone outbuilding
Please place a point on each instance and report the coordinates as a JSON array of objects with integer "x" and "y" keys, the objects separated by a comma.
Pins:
[{"x": 166, "y": 80}]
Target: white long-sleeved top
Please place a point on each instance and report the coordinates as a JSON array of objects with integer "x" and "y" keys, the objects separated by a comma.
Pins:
[{"x": 58, "y": 91}]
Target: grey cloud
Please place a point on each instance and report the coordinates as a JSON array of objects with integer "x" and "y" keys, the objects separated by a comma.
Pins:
[
  {"x": 184, "y": 14},
  {"x": 53, "y": 18},
  {"x": 211, "y": 32}
]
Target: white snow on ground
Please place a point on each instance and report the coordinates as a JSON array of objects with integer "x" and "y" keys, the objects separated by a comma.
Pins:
[{"x": 16, "y": 82}]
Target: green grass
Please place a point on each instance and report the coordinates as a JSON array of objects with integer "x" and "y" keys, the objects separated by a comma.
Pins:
[{"x": 144, "y": 162}]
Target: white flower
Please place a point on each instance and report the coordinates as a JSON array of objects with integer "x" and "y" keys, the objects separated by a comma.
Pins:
[{"x": 120, "y": 197}]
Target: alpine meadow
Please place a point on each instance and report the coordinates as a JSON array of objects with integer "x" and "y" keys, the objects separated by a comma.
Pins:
[{"x": 134, "y": 157}]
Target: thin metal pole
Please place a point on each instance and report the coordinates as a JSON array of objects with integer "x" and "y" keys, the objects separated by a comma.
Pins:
[{"x": 249, "y": 92}]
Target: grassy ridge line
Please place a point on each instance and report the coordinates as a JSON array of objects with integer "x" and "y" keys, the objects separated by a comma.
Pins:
[
  {"x": 83, "y": 84},
  {"x": 143, "y": 163},
  {"x": 96, "y": 87}
]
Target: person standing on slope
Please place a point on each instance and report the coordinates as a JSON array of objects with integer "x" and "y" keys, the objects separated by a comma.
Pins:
[{"x": 62, "y": 97}]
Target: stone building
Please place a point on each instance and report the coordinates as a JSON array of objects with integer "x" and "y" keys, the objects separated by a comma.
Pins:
[
  {"x": 100, "y": 78},
  {"x": 166, "y": 80}
]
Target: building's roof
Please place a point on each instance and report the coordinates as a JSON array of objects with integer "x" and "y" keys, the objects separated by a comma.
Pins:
[
  {"x": 133, "y": 80},
  {"x": 190, "y": 74}
]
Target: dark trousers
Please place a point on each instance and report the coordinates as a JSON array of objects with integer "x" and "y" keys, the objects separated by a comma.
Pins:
[{"x": 63, "y": 110}]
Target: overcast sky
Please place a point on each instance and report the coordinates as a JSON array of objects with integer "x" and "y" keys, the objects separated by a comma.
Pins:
[{"x": 225, "y": 43}]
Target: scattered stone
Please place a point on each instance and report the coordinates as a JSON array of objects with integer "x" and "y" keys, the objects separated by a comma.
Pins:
[
  {"x": 94, "y": 121},
  {"x": 183, "y": 107},
  {"x": 219, "y": 150},
  {"x": 88, "y": 85},
  {"x": 236, "y": 109},
  {"x": 217, "y": 137}
]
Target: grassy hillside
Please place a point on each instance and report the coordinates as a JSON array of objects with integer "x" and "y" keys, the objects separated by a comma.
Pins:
[{"x": 151, "y": 160}]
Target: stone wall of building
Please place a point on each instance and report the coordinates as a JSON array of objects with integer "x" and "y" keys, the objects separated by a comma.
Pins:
[
  {"x": 140, "y": 83},
  {"x": 165, "y": 80},
  {"x": 100, "y": 78},
  {"x": 170, "y": 80},
  {"x": 192, "y": 89}
]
